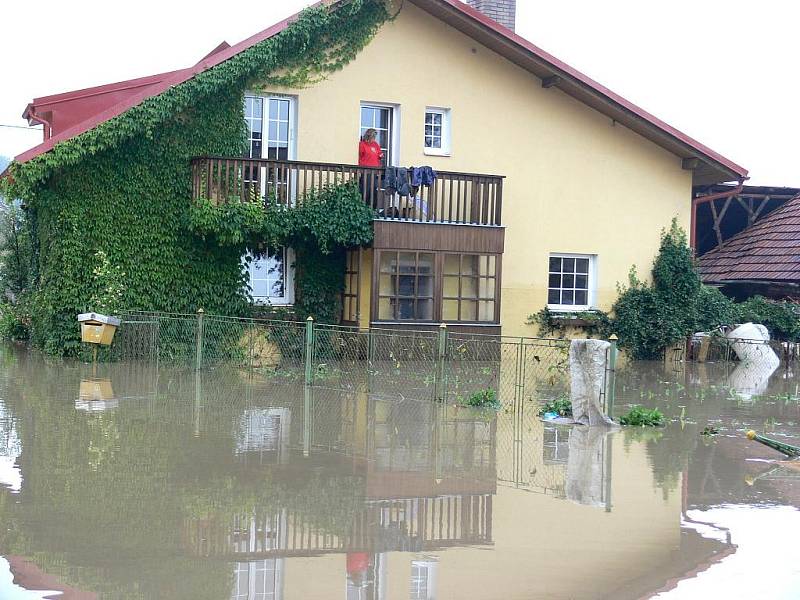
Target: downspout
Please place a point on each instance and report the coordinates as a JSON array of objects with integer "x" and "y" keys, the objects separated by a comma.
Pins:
[
  {"x": 47, "y": 127},
  {"x": 702, "y": 200}
]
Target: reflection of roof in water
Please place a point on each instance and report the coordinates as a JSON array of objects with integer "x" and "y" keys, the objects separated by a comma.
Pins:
[{"x": 700, "y": 548}]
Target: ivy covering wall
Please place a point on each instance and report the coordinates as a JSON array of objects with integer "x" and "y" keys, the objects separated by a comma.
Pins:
[{"x": 109, "y": 210}]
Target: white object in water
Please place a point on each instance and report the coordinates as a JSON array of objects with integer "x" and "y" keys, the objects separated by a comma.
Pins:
[
  {"x": 750, "y": 342},
  {"x": 587, "y": 370}
]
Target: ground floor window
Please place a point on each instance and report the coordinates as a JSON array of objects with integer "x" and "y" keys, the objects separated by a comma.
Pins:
[
  {"x": 571, "y": 281},
  {"x": 270, "y": 276},
  {"x": 350, "y": 303},
  {"x": 405, "y": 286},
  {"x": 470, "y": 287},
  {"x": 437, "y": 286}
]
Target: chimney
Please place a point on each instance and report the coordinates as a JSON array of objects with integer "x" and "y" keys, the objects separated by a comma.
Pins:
[{"x": 502, "y": 11}]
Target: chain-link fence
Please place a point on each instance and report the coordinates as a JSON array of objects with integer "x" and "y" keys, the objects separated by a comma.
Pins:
[
  {"x": 391, "y": 362},
  {"x": 716, "y": 347}
]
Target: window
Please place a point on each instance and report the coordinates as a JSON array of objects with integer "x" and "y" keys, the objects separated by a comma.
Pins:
[
  {"x": 405, "y": 288},
  {"x": 470, "y": 288},
  {"x": 436, "y": 287},
  {"x": 570, "y": 281},
  {"x": 257, "y": 580},
  {"x": 380, "y": 118},
  {"x": 254, "y": 117},
  {"x": 270, "y": 276},
  {"x": 270, "y": 135},
  {"x": 350, "y": 303},
  {"x": 437, "y": 131},
  {"x": 423, "y": 579},
  {"x": 276, "y": 123}
]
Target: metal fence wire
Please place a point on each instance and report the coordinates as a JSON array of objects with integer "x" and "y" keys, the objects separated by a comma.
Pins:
[{"x": 392, "y": 362}]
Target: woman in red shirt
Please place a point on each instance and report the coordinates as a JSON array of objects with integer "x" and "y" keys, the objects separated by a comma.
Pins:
[
  {"x": 369, "y": 155},
  {"x": 369, "y": 151}
]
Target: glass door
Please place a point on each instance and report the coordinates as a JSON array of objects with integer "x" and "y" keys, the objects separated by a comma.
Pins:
[
  {"x": 270, "y": 128},
  {"x": 381, "y": 119}
]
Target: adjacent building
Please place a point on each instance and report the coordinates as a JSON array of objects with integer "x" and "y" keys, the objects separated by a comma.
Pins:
[{"x": 763, "y": 259}]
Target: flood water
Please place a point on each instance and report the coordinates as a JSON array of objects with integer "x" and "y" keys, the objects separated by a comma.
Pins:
[{"x": 132, "y": 481}]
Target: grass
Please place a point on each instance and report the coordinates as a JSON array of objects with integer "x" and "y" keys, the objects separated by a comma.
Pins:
[
  {"x": 561, "y": 406},
  {"x": 639, "y": 416},
  {"x": 486, "y": 398}
]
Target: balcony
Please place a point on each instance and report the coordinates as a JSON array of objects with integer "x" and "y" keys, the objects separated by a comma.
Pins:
[{"x": 453, "y": 199}]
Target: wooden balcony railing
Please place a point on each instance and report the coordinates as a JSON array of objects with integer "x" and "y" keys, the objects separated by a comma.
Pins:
[{"x": 453, "y": 198}]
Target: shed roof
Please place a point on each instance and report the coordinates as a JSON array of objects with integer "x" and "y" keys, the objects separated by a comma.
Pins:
[
  {"x": 767, "y": 251},
  {"x": 711, "y": 167}
]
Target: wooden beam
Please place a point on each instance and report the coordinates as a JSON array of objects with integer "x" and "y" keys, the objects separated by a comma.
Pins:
[
  {"x": 760, "y": 208},
  {"x": 551, "y": 81},
  {"x": 690, "y": 164}
]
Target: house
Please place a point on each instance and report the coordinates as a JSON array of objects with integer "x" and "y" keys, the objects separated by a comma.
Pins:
[
  {"x": 763, "y": 259},
  {"x": 549, "y": 186}
]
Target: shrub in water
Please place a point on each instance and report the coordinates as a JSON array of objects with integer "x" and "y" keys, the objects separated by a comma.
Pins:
[
  {"x": 484, "y": 399},
  {"x": 639, "y": 416},
  {"x": 561, "y": 406}
]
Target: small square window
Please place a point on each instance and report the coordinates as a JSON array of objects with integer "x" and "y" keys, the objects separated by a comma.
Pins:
[
  {"x": 437, "y": 131},
  {"x": 570, "y": 282}
]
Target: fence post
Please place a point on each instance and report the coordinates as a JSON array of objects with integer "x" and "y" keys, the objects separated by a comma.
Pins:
[
  {"x": 199, "y": 353},
  {"x": 441, "y": 355},
  {"x": 611, "y": 390},
  {"x": 309, "y": 348}
]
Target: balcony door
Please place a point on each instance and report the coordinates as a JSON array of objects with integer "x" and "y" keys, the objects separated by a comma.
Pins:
[
  {"x": 271, "y": 135},
  {"x": 383, "y": 118}
]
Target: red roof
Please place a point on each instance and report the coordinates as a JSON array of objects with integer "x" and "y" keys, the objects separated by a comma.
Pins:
[
  {"x": 715, "y": 167},
  {"x": 768, "y": 250}
]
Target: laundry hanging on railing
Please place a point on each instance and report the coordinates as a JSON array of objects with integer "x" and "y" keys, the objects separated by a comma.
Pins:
[
  {"x": 395, "y": 180},
  {"x": 422, "y": 176},
  {"x": 406, "y": 180}
]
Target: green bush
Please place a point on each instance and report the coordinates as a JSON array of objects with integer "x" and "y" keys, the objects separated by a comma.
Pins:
[
  {"x": 781, "y": 318},
  {"x": 15, "y": 321},
  {"x": 484, "y": 399},
  {"x": 639, "y": 416},
  {"x": 561, "y": 406}
]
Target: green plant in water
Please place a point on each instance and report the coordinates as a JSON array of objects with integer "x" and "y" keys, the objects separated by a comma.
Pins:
[
  {"x": 484, "y": 399},
  {"x": 638, "y": 416},
  {"x": 560, "y": 406}
]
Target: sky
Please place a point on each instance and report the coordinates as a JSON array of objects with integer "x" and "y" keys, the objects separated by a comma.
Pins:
[{"x": 722, "y": 71}]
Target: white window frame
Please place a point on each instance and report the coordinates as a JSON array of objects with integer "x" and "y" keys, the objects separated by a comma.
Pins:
[
  {"x": 591, "y": 296},
  {"x": 288, "y": 286},
  {"x": 445, "y": 134},
  {"x": 266, "y": 97},
  {"x": 394, "y": 141}
]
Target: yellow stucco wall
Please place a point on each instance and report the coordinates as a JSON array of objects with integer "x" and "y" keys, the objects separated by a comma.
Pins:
[
  {"x": 576, "y": 182},
  {"x": 543, "y": 546}
]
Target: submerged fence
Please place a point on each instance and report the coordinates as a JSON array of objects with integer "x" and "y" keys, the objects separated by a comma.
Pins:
[{"x": 391, "y": 362}]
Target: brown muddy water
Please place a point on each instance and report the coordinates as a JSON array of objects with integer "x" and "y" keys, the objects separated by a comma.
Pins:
[{"x": 144, "y": 482}]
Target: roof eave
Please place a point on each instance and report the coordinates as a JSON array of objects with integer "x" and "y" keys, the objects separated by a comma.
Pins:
[{"x": 714, "y": 168}]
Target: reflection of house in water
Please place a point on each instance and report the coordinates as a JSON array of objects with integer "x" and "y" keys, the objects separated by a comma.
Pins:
[
  {"x": 265, "y": 432},
  {"x": 10, "y": 449},
  {"x": 392, "y": 476}
]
